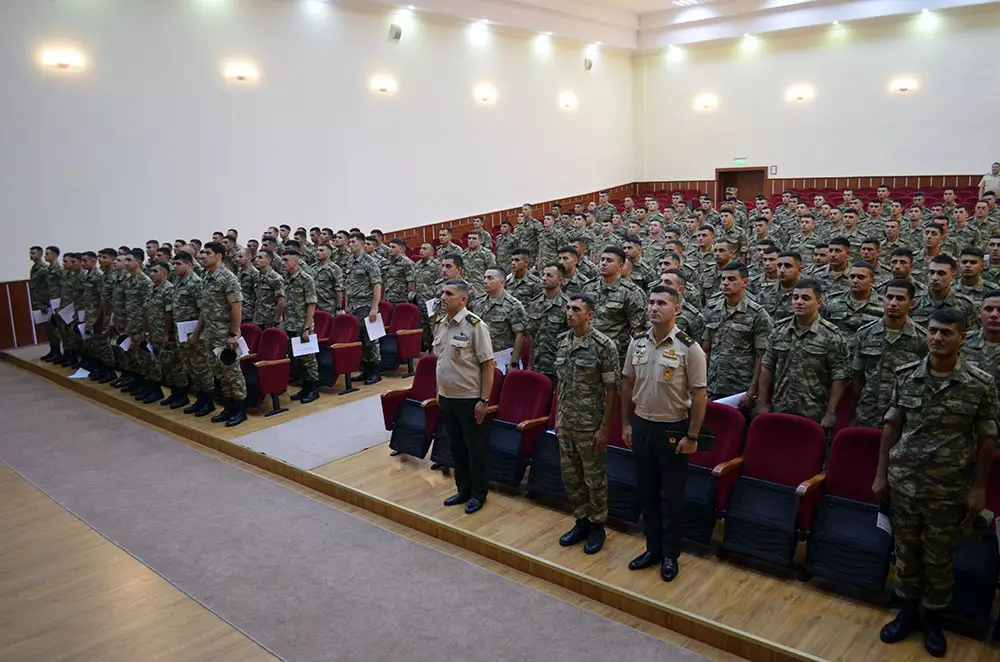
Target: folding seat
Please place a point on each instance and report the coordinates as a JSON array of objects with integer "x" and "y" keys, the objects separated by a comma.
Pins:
[
  {"x": 341, "y": 353},
  {"x": 623, "y": 480},
  {"x": 775, "y": 496},
  {"x": 977, "y": 565},
  {"x": 545, "y": 477},
  {"x": 410, "y": 413},
  {"x": 407, "y": 333},
  {"x": 268, "y": 374},
  {"x": 251, "y": 333},
  {"x": 526, "y": 347},
  {"x": 712, "y": 473},
  {"x": 323, "y": 321},
  {"x": 845, "y": 544},
  {"x": 385, "y": 309},
  {"x": 845, "y": 410},
  {"x": 517, "y": 422},
  {"x": 441, "y": 451}
]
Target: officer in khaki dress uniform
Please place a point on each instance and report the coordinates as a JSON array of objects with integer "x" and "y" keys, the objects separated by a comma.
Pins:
[
  {"x": 666, "y": 377},
  {"x": 464, "y": 383}
]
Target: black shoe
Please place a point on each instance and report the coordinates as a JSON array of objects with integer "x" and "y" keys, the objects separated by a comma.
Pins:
[
  {"x": 153, "y": 394},
  {"x": 118, "y": 381},
  {"x": 239, "y": 414},
  {"x": 374, "y": 378},
  {"x": 393, "y": 453},
  {"x": 66, "y": 361},
  {"x": 206, "y": 407},
  {"x": 175, "y": 393},
  {"x": 227, "y": 412},
  {"x": 595, "y": 541},
  {"x": 109, "y": 377},
  {"x": 47, "y": 356},
  {"x": 311, "y": 396},
  {"x": 644, "y": 560},
  {"x": 298, "y": 394},
  {"x": 907, "y": 621},
  {"x": 198, "y": 402},
  {"x": 669, "y": 570},
  {"x": 181, "y": 401},
  {"x": 577, "y": 534},
  {"x": 934, "y": 642},
  {"x": 474, "y": 505},
  {"x": 55, "y": 358},
  {"x": 456, "y": 499}
]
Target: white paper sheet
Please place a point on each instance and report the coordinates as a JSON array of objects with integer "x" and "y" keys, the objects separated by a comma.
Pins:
[
  {"x": 241, "y": 351},
  {"x": 126, "y": 344},
  {"x": 300, "y": 348},
  {"x": 375, "y": 329},
  {"x": 80, "y": 374},
  {"x": 731, "y": 400},
  {"x": 80, "y": 316},
  {"x": 68, "y": 314},
  {"x": 83, "y": 331},
  {"x": 149, "y": 348},
  {"x": 54, "y": 303},
  {"x": 41, "y": 316},
  {"x": 503, "y": 359},
  {"x": 884, "y": 523},
  {"x": 430, "y": 304},
  {"x": 185, "y": 329}
]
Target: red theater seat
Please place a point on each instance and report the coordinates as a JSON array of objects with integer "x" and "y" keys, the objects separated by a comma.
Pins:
[
  {"x": 517, "y": 423},
  {"x": 411, "y": 413},
  {"x": 406, "y": 328},
  {"x": 712, "y": 473},
  {"x": 341, "y": 353},
  {"x": 270, "y": 370}
]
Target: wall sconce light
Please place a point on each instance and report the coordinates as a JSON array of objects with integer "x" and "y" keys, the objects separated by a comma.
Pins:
[
  {"x": 395, "y": 32},
  {"x": 903, "y": 85},
  {"x": 242, "y": 72},
  {"x": 568, "y": 101},
  {"x": 705, "y": 102},
  {"x": 383, "y": 84},
  {"x": 62, "y": 60},
  {"x": 800, "y": 94},
  {"x": 588, "y": 63},
  {"x": 485, "y": 94}
]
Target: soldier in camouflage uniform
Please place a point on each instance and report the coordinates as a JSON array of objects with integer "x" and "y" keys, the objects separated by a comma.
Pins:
[
  {"x": 549, "y": 241},
  {"x": 398, "y": 274},
  {"x": 522, "y": 284},
  {"x": 971, "y": 283},
  {"x": 475, "y": 261},
  {"x": 300, "y": 306},
  {"x": 940, "y": 294},
  {"x": 249, "y": 276},
  {"x": 270, "y": 291},
  {"x": 604, "y": 209},
  {"x": 72, "y": 295},
  {"x": 220, "y": 301},
  {"x": 40, "y": 296},
  {"x": 620, "y": 304},
  {"x": 137, "y": 288},
  {"x": 804, "y": 241},
  {"x": 445, "y": 247},
  {"x": 527, "y": 231},
  {"x": 103, "y": 340},
  {"x": 158, "y": 314},
  {"x": 806, "y": 368},
  {"x": 547, "y": 321},
  {"x": 636, "y": 269},
  {"x": 833, "y": 276},
  {"x": 504, "y": 315},
  {"x": 587, "y": 367},
  {"x": 573, "y": 279},
  {"x": 118, "y": 322},
  {"x": 937, "y": 447},
  {"x": 851, "y": 310},
  {"x": 506, "y": 243},
  {"x": 91, "y": 301},
  {"x": 341, "y": 253},
  {"x": 363, "y": 291},
  {"x": 689, "y": 319},
  {"x": 329, "y": 280},
  {"x": 426, "y": 273},
  {"x": 982, "y": 346},
  {"x": 587, "y": 268},
  {"x": 188, "y": 360},
  {"x": 736, "y": 336},
  {"x": 151, "y": 246},
  {"x": 880, "y": 348}
]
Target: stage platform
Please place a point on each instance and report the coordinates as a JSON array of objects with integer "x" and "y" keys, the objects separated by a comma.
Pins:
[{"x": 753, "y": 610}]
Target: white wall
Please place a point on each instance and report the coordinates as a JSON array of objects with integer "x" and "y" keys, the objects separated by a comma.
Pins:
[
  {"x": 854, "y": 126},
  {"x": 150, "y": 141}
]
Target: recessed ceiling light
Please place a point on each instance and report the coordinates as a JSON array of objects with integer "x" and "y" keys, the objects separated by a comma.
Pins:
[
  {"x": 548, "y": 34},
  {"x": 925, "y": 11},
  {"x": 836, "y": 22},
  {"x": 599, "y": 43},
  {"x": 746, "y": 34},
  {"x": 411, "y": 7}
]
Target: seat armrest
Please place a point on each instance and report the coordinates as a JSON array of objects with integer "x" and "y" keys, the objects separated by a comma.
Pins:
[
  {"x": 810, "y": 485},
  {"x": 492, "y": 409},
  {"x": 408, "y": 332},
  {"x": 397, "y": 392},
  {"x": 264, "y": 364},
  {"x": 727, "y": 467},
  {"x": 532, "y": 423},
  {"x": 323, "y": 341},
  {"x": 342, "y": 345},
  {"x": 429, "y": 402},
  {"x": 248, "y": 357}
]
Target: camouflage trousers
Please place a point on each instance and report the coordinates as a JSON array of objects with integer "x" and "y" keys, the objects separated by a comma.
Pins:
[
  {"x": 71, "y": 340},
  {"x": 231, "y": 376},
  {"x": 138, "y": 357},
  {"x": 370, "y": 352},
  {"x": 427, "y": 340},
  {"x": 167, "y": 367},
  {"x": 926, "y": 532},
  {"x": 193, "y": 362},
  {"x": 584, "y": 474},
  {"x": 306, "y": 365}
]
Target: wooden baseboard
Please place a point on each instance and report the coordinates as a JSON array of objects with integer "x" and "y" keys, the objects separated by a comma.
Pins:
[{"x": 686, "y": 623}]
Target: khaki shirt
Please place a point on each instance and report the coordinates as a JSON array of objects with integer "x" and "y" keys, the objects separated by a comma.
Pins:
[
  {"x": 462, "y": 344},
  {"x": 663, "y": 374}
]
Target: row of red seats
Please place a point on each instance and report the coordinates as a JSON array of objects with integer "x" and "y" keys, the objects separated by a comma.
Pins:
[{"x": 768, "y": 482}]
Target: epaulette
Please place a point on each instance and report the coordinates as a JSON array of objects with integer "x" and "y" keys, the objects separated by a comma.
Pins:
[
  {"x": 909, "y": 366},
  {"x": 472, "y": 319},
  {"x": 685, "y": 339},
  {"x": 979, "y": 373},
  {"x": 640, "y": 334}
]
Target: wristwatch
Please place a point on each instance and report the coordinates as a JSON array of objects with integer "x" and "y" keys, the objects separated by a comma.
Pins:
[
  {"x": 484, "y": 401},
  {"x": 692, "y": 437},
  {"x": 233, "y": 335}
]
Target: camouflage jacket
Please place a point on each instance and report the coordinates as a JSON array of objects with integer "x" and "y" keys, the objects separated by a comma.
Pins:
[
  {"x": 397, "y": 276},
  {"x": 137, "y": 291},
  {"x": 524, "y": 289},
  {"x": 360, "y": 279},
  {"x": 504, "y": 317},
  {"x": 329, "y": 281},
  {"x": 185, "y": 298},
  {"x": 159, "y": 303},
  {"x": 248, "y": 281},
  {"x": 219, "y": 291},
  {"x": 585, "y": 367},
  {"x": 877, "y": 355},
  {"x": 476, "y": 262},
  {"x": 300, "y": 291},
  {"x": 736, "y": 335},
  {"x": 546, "y": 322},
  {"x": 620, "y": 311}
]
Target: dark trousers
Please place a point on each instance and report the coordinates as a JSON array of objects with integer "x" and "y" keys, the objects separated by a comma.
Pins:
[
  {"x": 468, "y": 444},
  {"x": 662, "y": 475}
]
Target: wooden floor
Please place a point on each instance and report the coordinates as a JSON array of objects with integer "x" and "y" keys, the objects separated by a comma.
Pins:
[
  {"x": 753, "y": 598},
  {"x": 66, "y": 593}
]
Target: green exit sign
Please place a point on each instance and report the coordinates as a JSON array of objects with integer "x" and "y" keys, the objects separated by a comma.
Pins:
[{"x": 740, "y": 160}]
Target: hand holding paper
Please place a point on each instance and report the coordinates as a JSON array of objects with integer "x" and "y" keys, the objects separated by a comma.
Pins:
[
  {"x": 300, "y": 348},
  {"x": 375, "y": 329}
]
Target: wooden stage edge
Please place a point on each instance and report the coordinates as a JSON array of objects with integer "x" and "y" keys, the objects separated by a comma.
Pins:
[{"x": 686, "y": 623}]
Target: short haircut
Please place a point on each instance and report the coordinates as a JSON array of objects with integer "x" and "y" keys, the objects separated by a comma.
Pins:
[
  {"x": 632, "y": 239},
  {"x": 585, "y": 299},
  {"x": 165, "y": 250},
  {"x": 678, "y": 273},
  {"x": 903, "y": 252},
  {"x": 268, "y": 253},
  {"x": 665, "y": 289},
  {"x": 944, "y": 258},
  {"x": 911, "y": 289},
  {"x": 861, "y": 264},
  {"x": 155, "y": 241},
  {"x": 500, "y": 270},
  {"x": 215, "y": 247},
  {"x": 356, "y": 235},
  {"x": 184, "y": 256},
  {"x": 737, "y": 266},
  {"x": 555, "y": 265},
  {"x": 707, "y": 227},
  {"x": 792, "y": 254},
  {"x": 54, "y": 249},
  {"x": 161, "y": 265},
  {"x": 505, "y": 222},
  {"x": 771, "y": 248},
  {"x": 810, "y": 284},
  {"x": 569, "y": 249},
  {"x": 110, "y": 252},
  {"x": 581, "y": 239},
  {"x": 285, "y": 226},
  {"x": 617, "y": 252},
  {"x": 456, "y": 258},
  {"x": 36, "y": 248},
  {"x": 291, "y": 252},
  {"x": 399, "y": 242},
  {"x": 459, "y": 284},
  {"x": 521, "y": 251},
  {"x": 135, "y": 253},
  {"x": 840, "y": 241},
  {"x": 949, "y": 316},
  {"x": 870, "y": 240},
  {"x": 992, "y": 294},
  {"x": 91, "y": 254},
  {"x": 973, "y": 250}
]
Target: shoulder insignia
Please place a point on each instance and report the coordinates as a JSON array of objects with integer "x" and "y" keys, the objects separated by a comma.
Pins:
[
  {"x": 866, "y": 327},
  {"x": 979, "y": 373},
  {"x": 908, "y": 366},
  {"x": 640, "y": 334},
  {"x": 685, "y": 339},
  {"x": 472, "y": 319}
]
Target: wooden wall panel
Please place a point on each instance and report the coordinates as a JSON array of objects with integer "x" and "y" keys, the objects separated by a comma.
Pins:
[
  {"x": 700, "y": 185},
  {"x": 6, "y": 320},
  {"x": 892, "y": 181},
  {"x": 20, "y": 305}
]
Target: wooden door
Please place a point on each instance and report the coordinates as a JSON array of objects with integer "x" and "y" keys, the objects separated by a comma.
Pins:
[{"x": 749, "y": 181}]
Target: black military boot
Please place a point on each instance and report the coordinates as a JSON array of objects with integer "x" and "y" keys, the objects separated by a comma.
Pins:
[
  {"x": 906, "y": 622},
  {"x": 198, "y": 402},
  {"x": 172, "y": 398},
  {"x": 309, "y": 392},
  {"x": 153, "y": 394},
  {"x": 227, "y": 412},
  {"x": 595, "y": 539},
  {"x": 206, "y": 407},
  {"x": 934, "y": 642},
  {"x": 143, "y": 391},
  {"x": 108, "y": 377},
  {"x": 66, "y": 360},
  {"x": 239, "y": 414},
  {"x": 577, "y": 534},
  {"x": 302, "y": 391},
  {"x": 373, "y": 376},
  {"x": 182, "y": 399}
]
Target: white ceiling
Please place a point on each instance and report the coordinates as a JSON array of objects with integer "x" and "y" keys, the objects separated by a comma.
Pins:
[{"x": 634, "y": 6}]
